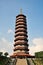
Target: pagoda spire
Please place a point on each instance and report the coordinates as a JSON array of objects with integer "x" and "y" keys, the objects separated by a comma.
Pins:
[{"x": 21, "y": 11}]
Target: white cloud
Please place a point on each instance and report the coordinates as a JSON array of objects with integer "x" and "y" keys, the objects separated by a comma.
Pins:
[
  {"x": 10, "y": 31},
  {"x": 5, "y": 45},
  {"x": 38, "y": 45}
]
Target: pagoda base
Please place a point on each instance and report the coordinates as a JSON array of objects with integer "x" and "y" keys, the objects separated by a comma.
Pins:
[{"x": 22, "y": 55}]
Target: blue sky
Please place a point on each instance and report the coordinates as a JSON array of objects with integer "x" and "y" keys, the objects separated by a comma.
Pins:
[{"x": 33, "y": 9}]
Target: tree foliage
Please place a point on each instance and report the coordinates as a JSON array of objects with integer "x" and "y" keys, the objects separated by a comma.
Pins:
[
  {"x": 6, "y": 54},
  {"x": 1, "y": 53},
  {"x": 39, "y": 54}
]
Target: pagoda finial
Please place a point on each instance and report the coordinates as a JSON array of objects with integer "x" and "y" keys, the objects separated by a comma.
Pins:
[{"x": 21, "y": 11}]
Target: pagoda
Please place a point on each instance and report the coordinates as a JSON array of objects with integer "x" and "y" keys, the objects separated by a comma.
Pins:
[{"x": 21, "y": 37}]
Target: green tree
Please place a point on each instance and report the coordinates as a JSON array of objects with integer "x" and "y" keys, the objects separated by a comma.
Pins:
[
  {"x": 39, "y": 54},
  {"x": 6, "y": 54},
  {"x": 1, "y": 53}
]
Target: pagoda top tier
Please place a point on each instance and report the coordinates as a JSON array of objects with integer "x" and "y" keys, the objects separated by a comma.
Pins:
[{"x": 20, "y": 15}]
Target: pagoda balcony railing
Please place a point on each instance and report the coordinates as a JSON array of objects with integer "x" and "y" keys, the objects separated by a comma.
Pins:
[
  {"x": 21, "y": 52},
  {"x": 21, "y": 22},
  {"x": 21, "y": 41},
  {"x": 20, "y": 17},
  {"x": 20, "y": 38},
  {"x": 21, "y": 35},
  {"x": 16, "y": 31},
  {"x": 21, "y": 48},
  {"x": 21, "y": 27},
  {"x": 21, "y": 44}
]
